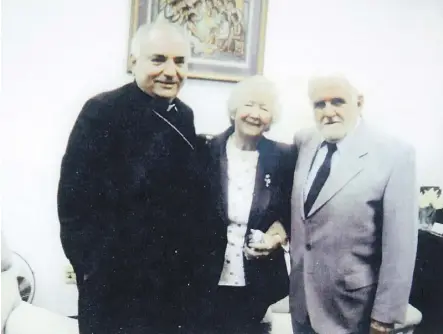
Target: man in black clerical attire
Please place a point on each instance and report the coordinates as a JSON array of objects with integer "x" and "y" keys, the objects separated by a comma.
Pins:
[{"x": 129, "y": 193}]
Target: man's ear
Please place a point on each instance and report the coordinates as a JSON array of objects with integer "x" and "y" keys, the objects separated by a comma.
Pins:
[
  {"x": 132, "y": 60},
  {"x": 360, "y": 101}
]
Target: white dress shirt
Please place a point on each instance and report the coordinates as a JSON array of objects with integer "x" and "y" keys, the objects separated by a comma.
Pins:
[
  {"x": 320, "y": 157},
  {"x": 242, "y": 167}
]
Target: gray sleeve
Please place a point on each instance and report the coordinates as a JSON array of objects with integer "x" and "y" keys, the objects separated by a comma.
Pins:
[{"x": 399, "y": 240}]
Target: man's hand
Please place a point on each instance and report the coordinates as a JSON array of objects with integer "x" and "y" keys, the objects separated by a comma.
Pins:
[
  {"x": 267, "y": 244},
  {"x": 278, "y": 229},
  {"x": 263, "y": 248},
  {"x": 274, "y": 237},
  {"x": 378, "y": 327}
]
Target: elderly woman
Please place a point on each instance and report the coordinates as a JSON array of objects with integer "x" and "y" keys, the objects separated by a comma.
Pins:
[{"x": 251, "y": 180}]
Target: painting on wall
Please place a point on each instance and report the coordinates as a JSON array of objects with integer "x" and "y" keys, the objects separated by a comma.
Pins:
[{"x": 227, "y": 36}]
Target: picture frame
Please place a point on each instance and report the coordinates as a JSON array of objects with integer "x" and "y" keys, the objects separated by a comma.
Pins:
[{"x": 227, "y": 36}]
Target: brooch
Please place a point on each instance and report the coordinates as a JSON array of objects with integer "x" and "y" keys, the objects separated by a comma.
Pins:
[{"x": 267, "y": 180}]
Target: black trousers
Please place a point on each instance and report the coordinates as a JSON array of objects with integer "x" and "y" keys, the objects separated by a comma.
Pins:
[
  {"x": 240, "y": 310},
  {"x": 121, "y": 312}
]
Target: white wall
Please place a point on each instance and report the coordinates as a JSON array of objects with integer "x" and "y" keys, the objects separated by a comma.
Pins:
[{"x": 58, "y": 53}]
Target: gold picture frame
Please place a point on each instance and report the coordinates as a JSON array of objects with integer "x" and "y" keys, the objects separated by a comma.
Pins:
[{"x": 227, "y": 36}]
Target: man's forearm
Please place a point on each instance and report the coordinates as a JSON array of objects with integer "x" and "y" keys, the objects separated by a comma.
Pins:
[{"x": 278, "y": 231}]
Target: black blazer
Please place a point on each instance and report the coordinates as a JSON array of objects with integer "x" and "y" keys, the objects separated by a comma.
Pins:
[
  {"x": 127, "y": 208},
  {"x": 272, "y": 202}
]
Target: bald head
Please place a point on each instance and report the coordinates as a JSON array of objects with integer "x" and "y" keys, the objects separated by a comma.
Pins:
[
  {"x": 337, "y": 105},
  {"x": 159, "y": 55},
  {"x": 320, "y": 84},
  {"x": 144, "y": 36}
]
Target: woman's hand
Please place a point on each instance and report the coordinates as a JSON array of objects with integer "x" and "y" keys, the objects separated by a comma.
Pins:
[{"x": 274, "y": 237}]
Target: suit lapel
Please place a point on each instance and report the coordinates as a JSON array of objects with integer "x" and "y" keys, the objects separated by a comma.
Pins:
[
  {"x": 346, "y": 169},
  {"x": 262, "y": 188},
  {"x": 350, "y": 164},
  {"x": 221, "y": 173},
  {"x": 223, "y": 202}
]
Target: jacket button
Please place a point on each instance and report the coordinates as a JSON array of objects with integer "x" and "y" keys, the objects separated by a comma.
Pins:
[{"x": 308, "y": 247}]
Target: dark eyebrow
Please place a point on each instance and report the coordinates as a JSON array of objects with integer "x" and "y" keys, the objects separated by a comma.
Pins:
[
  {"x": 319, "y": 104},
  {"x": 157, "y": 57},
  {"x": 163, "y": 58},
  {"x": 179, "y": 60},
  {"x": 337, "y": 101}
]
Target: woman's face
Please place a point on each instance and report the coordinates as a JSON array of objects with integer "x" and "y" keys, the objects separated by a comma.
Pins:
[{"x": 253, "y": 118}]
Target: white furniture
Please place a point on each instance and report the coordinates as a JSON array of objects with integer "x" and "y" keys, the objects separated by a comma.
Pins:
[{"x": 19, "y": 317}]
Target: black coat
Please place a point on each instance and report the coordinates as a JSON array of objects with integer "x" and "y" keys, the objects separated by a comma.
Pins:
[
  {"x": 127, "y": 198},
  {"x": 267, "y": 277}
]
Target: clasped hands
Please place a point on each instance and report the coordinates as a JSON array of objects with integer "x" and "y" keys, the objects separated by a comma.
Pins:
[
  {"x": 274, "y": 237},
  {"x": 379, "y": 327}
]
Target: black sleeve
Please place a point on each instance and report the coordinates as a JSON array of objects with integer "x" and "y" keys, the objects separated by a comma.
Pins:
[
  {"x": 86, "y": 195},
  {"x": 287, "y": 167},
  {"x": 186, "y": 124}
]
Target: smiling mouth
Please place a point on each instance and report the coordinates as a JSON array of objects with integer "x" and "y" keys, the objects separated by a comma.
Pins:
[
  {"x": 163, "y": 83},
  {"x": 253, "y": 124}
]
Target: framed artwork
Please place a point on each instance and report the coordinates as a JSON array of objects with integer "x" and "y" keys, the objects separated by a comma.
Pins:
[
  {"x": 430, "y": 206},
  {"x": 227, "y": 36}
]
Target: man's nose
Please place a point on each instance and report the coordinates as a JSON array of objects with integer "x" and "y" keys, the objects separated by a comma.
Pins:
[
  {"x": 329, "y": 110},
  {"x": 170, "y": 68}
]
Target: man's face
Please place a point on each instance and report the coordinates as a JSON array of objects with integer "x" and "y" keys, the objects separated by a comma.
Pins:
[
  {"x": 336, "y": 110},
  {"x": 161, "y": 67}
]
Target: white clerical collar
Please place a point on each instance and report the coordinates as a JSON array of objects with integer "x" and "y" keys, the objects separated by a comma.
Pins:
[{"x": 172, "y": 106}]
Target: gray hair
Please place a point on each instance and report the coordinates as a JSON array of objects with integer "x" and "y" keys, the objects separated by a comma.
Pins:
[
  {"x": 145, "y": 29},
  {"x": 256, "y": 85},
  {"x": 331, "y": 80}
]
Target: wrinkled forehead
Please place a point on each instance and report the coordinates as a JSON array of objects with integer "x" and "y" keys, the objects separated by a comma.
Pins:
[
  {"x": 324, "y": 90},
  {"x": 164, "y": 42}
]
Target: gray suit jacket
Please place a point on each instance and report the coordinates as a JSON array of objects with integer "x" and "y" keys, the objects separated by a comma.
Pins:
[{"x": 353, "y": 254}]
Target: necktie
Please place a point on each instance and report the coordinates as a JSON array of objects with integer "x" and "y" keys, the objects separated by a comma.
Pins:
[{"x": 320, "y": 179}]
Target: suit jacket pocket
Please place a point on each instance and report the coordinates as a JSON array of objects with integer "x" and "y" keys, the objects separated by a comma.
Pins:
[{"x": 359, "y": 279}]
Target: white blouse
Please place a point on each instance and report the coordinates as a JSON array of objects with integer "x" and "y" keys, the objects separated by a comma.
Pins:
[{"x": 242, "y": 167}]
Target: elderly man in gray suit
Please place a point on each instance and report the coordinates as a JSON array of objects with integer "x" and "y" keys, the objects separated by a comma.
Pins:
[{"x": 354, "y": 219}]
